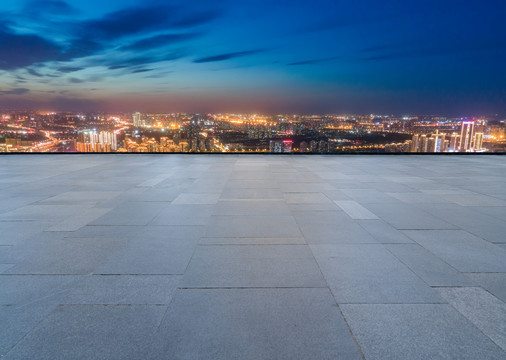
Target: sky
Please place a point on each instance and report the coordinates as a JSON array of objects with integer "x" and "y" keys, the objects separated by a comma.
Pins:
[{"x": 318, "y": 56}]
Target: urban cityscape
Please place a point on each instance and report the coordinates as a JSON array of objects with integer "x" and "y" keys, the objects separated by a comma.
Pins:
[{"x": 32, "y": 132}]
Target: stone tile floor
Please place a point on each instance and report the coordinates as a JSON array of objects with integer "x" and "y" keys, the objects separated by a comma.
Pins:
[{"x": 252, "y": 257}]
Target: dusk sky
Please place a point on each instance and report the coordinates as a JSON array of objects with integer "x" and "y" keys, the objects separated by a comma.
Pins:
[{"x": 318, "y": 56}]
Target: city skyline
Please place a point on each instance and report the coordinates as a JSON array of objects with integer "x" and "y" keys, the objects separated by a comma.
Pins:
[
  {"x": 138, "y": 132},
  {"x": 278, "y": 57}
]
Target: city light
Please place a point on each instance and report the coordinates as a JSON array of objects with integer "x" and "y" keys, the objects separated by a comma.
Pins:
[{"x": 182, "y": 132}]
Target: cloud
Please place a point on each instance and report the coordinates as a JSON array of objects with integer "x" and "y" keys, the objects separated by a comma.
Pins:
[
  {"x": 310, "y": 62},
  {"x": 21, "y": 50},
  {"x": 84, "y": 38},
  {"x": 17, "y": 91},
  {"x": 37, "y": 7},
  {"x": 69, "y": 69},
  {"x": 34, "y": 73},
  {"x": 228, "y": 56},
  {"x": 75, "y": 81},
  {"x": 141, "y": 60},
  {"x": 117, "y": 67},
  {"x": 141, "y": 71},
  {"x": 158, "y": 41},
  {"x": 139, "y": 20}
]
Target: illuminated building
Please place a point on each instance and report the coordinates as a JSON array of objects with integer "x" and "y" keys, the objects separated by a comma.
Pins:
[
  {"x": 280, "y": 146},
  {"x": 466, "y": 136},
  {"x": 437, "y": 142},
  {"x": 108, "y": 138},
  {"x": 424, "y": 144},
  {"x": 287, "y": 146},
  {"x": 415, "y": 143},
  {"x": 276, "y": 146},
  {"x": 137, "y": 119},
  {"x": 478, "y": 141},
  {"x": 454, "y": 141}
]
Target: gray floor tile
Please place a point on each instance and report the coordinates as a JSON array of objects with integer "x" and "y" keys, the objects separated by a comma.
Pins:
[
  {"x": 314, "y": 187},
  {"x": 13, "y": 232},
  {"x": 421, "y": 331},
  {"x": 253, "y": 266},
  {"x": 252, "y": 241},
  {"x": 78, "y": 221},
  {"x": 91, "y": 331},
  {"x": 474, "y": 200},
  {"x": 67, "y": 256},
  {"x": 495, "y": 283},
  {"x": 482, "y": 225},
  {"x": 484, "y": 310},
  {"x": 196, "y": 199},
  {"x": 403, "y": 216},
  {"x": 383, "y": 232},
  {"x": 463, "y": 251},
  {"x": 131, "y": 213},
  {"x": 106, "y": 231},
  {"x": 369, "y": 274},
  {"x": 250, "y": 236},
  {"x": 184, "y": 215},
  {"x": 5, "y": 267},
  {"x": 251, "y": 193},
  {"x": 331, "y": 227},
  {"x": 20, "y": 290},
  {"x": 123, "y": 289},
  {"x": 355, "y": 210},
  {"x": 427, "y": 266},
  {"x": 43, "y": 212},
  {"x": 80, "y": 197},
  {"x": 254, "y": 324},
  {"x": 248, "y": 207},
  {"x": 158, "y": 250},
  {"x": 306, "y": 198},
  {"x": 252, "y": 226},
  {"x": 17, "y": 321}
]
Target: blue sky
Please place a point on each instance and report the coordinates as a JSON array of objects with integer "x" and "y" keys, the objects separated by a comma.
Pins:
[{"x": 314, "y": 56}]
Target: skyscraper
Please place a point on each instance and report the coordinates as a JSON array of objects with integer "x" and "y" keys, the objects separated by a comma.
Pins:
[
  {"x": 424, "y": 144},
  {"x": 454, "y": 142},
  {"x": 415, "y": 143},
  {"x": 466, "y": 136},
  {"x": 439, "y": 140},
  {"x": 137, "y": 119},
  {"x": 478, "y": 141}
]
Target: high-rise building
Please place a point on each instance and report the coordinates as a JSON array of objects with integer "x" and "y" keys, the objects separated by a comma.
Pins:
[
  {"x": 287, "y": 146},
  {"x": 439, "y": 140},
  {"x": 276, "y": 146},
  {"x": 478, "y": 141},
  {"x": 454, "y": 142},
  {"x": 424, "y": 144},
  {"x": 137, "y": 119},
  {"x": 108, "y": 137},
  {"x": 415, "y": 143},
  {"x": 466, "y": 136}
]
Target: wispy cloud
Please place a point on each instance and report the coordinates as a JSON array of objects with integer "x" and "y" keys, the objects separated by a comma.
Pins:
[
  {"x": 16, "y": 91},
  {"x": 311, "y": 62},
  {"x": 159, "y": 41},
  {"x": 227, "y": 56}
]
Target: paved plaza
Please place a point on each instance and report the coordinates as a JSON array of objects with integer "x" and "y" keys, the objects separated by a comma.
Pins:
[{"x": 252, "y": 257}]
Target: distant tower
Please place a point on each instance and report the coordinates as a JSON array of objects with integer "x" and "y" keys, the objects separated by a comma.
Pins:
[
  {"x": 466, "y": 136},
  {"x": 478, "y": 141},
  {"x": 137, "y": 119},
  {"x": 454, "y": 142},
  {"x": 415, "y": 143},
  {"x": 424, "y": 144},
  {"x": 439, "y": 140}
]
